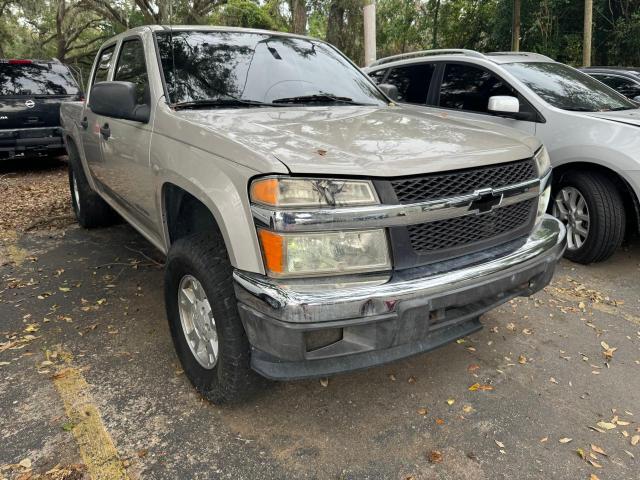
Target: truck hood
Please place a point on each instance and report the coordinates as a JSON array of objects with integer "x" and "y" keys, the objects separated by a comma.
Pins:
[
  {"x": 372, "y": 141},
  {"x": 630, "y": 117}
]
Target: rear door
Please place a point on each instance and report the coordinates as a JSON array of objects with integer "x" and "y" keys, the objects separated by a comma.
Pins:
[
  {"x": 466, "y": 89},
  {"x": 125, "y": 149},
  {"x": 90, "y": 122}
]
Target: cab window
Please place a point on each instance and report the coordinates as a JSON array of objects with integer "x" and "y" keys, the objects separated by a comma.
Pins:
[
  {"x": 131, "y": 67},
  {"x": 104, "y": 62},
  {"x": 412, "y": 82},
  {"x": 625, "y": 86},
  {"x": 465, "y": 87}
]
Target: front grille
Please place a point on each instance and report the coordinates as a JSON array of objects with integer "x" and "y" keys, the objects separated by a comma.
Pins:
[
  {"x": 454, "y": 183},
  {"x": 457, "y": 232}
]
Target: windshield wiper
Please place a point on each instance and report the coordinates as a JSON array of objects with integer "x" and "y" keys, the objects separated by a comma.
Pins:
[
  {"x": 317, "y": 98},
  {"x": 220, "y": 102}
]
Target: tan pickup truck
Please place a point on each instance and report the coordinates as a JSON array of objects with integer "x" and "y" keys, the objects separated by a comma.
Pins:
[{"x": 311, "y": 226}]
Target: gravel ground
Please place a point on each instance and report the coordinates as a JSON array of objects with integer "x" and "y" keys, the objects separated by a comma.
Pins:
[{"x": 549, "y": 389}]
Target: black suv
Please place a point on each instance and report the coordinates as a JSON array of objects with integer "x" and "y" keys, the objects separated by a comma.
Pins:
[{"x": 30, "y": 95}]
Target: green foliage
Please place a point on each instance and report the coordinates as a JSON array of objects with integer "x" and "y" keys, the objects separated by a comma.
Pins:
[
  {"x": 243, "y": 13},
  {"x": 73, "y": 29}
]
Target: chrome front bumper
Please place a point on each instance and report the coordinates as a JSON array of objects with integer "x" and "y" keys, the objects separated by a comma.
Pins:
[{"x": 390, "y": 321}]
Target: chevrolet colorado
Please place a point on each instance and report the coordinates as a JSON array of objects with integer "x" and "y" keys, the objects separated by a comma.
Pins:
[{"x": 311, "y": 225}]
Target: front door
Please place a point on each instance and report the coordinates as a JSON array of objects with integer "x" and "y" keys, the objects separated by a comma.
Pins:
[
  {"x": 465, "y": 89},
  {"x": 125, "y": 143}
]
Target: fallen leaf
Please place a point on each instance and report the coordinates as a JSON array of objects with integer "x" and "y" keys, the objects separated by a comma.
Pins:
[
  {"x": 522, "y": 359},
  {"x": 450, "y": 401},
  {"x": 25, "y": 463},
  {"x": 324, "y": 382},
  {"x": 597, "y": 449},
  {"x": 565, "y": 440},
  {"x": 64, "y": 289},
  {"x": 439, "y": 421},
  {"x": 635, "y": 439},
  {"x": 392, "y": 377},
  {"x": 553, "y": 380},
  {"x": 606, "y": 425},
  {"x": 593, "y": 476},
  {"x": 594, "y": 463},
  {"x": 411, "y": 380},
  {"x": 435, "y": 456},
  {"x": 580, "y": 453},
  {"x": 544, "y": 439},
  {"x": 527, "y": 331},
  {"x": 500, "y": 444},
  {"x": 511, "y": 326},
  {"x": 474, "y": 367},
  {"x": 468, "y": 409},
  {"x": 422, "y": 411}
]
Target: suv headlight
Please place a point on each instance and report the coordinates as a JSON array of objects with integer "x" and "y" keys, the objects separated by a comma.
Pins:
[
  {"x": 286, "y": 192},
  {"x": 543, "y": 203},
  {"x": 543, "y": 162},
  {"x": 330, "y": 253}
]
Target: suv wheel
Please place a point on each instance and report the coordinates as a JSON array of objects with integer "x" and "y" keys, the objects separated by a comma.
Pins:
[
  {"x": 90, "y": 209},
  {"x": 205, "y": 324},
  {"x": 592, "y": 210}
]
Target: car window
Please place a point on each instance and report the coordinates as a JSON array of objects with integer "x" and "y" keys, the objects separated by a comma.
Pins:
[
  {"x": 564, "y": 87},
  {"x": 466, "y": 87},
  {"x": 378, "y": 75},
  {"x": 37, "y": 78},
  {"x": 627, "y": 87},
  {"x": 131, "y": 67},
  {"x": 412, "y": 82},
  {"x": 104, "y": 62}
]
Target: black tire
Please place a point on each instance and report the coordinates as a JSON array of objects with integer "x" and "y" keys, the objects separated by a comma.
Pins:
[
  {"x": 90, "y": 209},
  {"x": 204, "y": 257},
  {"x": 607, "y": 217}
]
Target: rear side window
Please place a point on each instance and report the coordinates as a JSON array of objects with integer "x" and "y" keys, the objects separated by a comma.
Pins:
[
  {"x": 465, "y": 87},
  {"x": 378, "y": 75},
  {"x": 104, "y": 63},
  {"x": 39, "y": 78},
  {"x": 625, "y": 86},
  {"x": 412, "y": 82},
  {"x": 131, "y": 67}
]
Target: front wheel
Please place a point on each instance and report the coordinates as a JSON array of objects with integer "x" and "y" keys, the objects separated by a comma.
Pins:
[
  {"x": 205, "y": 324},
  {"x": 592, "y": 210}
]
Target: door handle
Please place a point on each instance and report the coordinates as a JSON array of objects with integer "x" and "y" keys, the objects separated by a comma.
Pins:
[
  {"x": 105, "y": 131},
  {"x": 84, "y": 123}
]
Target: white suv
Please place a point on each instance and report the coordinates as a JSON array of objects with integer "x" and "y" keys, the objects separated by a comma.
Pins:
[{"x": 590, "y": 131}]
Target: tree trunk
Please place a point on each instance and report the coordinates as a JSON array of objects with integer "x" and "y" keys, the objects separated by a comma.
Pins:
[
  {"x": 335, "y": 24},
  {"x": 515, "y": 30},
  {"x": 588, "y": 25},
  {"x": 61, "y": 41},
  {"x": 434, "y": 39},
  {"x": 298, "y": 16}
]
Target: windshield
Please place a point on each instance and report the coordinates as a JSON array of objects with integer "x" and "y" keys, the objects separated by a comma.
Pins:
[
  {"x": 260, "y": 68},
  {"x": 36, "y": 79},
  {"x": 568, "y": 89}
]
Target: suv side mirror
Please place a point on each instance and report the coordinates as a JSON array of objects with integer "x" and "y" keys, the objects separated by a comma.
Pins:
[
  {"x": 504, "y": 104},
  {"x": 117, "y": 100},
  {"x": 389, "y": 90}
]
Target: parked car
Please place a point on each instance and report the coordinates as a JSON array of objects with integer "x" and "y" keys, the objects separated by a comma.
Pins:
[
  {"x": 624, "y": 80},
  {"x": 31, "y": 92},
  {"x": 590, "y": 131},
  {"x": 311, "y": 227}
]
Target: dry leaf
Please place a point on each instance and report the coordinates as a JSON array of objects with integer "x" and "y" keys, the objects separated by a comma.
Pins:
[
  {"x": 324, "y": 382},
  {"x": 468, "y": 409},
  {"x": 565, "y": 440},
  {"x": 439, "y": 421},
  {"x": 422, "y": 411},
  {"x": 594, "y": 463},
  {"x": 477, "y": 386},
  {"x": 606, "y": 425},
  {"x": 544, "y": 439},
  {"x": 580, "y": 453},
  {"x": 593, "y": 476},
  {"x": 522, "y": 359},
  {"x": 435, "y": 456},
  {"x": 635, "y": 439},
  {"x": 451, "y": 401},
  {"x": 597, "y": 449},
  {"x": 473, "y": 368},
  {"x": 500, "y": 444},
  {"x": 25, "y": 463}
]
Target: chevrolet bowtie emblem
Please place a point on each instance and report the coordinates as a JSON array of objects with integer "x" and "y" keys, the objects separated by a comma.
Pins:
[{"x": 487, "y": 200}]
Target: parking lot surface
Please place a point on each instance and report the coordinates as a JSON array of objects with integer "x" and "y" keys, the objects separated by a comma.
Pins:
[{"x": 90, "y": 385}]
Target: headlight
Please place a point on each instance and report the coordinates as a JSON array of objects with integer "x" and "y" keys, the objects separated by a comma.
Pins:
[
  {"x": 542, "y": 161},
  {"x": 311, "y": 192},
  {"x": 543, "y": 203},
  {"x": 330, "y": 253}
]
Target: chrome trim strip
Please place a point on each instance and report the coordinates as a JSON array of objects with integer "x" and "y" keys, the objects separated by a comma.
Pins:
[
  {"x": 377, "y": 216},
  {"x": 277, "y": 299}
]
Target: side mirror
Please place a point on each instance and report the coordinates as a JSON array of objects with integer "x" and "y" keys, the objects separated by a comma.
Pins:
[
  {"x": 117, "y": 100},
  {"x": 503, "y": 104},
  {"x": 636, "y": 99},
  {"x": 389, "y": 90}
]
